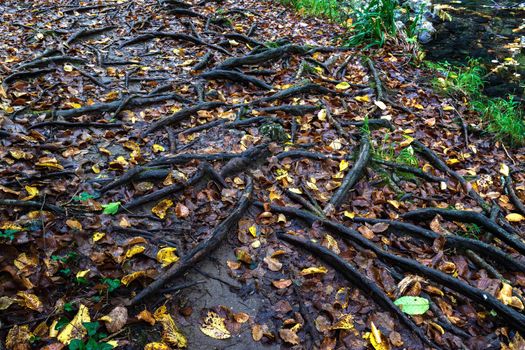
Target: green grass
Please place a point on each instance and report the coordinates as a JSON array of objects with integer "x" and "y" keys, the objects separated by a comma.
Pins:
[
  {"x": 503, "y": 117},
  {"x": 373, "y": 23},
  {"x": 318, "y": 8}
]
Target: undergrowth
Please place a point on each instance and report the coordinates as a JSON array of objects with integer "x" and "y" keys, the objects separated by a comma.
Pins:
[{"x": 503, "y": 116}]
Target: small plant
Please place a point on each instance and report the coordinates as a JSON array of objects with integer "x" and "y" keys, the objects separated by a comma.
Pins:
[
  {"x": 94, "y": 341},
  {"x": 473, "y": 231},
  {"x": 320, "y": 8},
  {"x": 459, "y": 81},
  {"x": 274, "y": 132},
  {"x": 373, "y": 23},
  {"x": 406, "y": 156}
]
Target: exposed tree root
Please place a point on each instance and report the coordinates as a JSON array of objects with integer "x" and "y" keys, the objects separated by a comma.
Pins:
[
  {"x": 367, "y": 286},
  {"x": 48, "y": 60},
  {"x": 471, "y": 217},
  {"x": 408, "y": 169},
  {"x": 514, "y": 199},
  {"x": 511, "y": 316},
  {"x": 371, "y": 123},
  {"x": 205, "y": 60},
  {"x": 26, "y": 74},
  {"x": 202, "y": 250},
  {"x": 452, "y": 242},
  {"x": 31, "y": 204},
  {"x": 108, "y": 106},
  {"x": 263, "y": 57},
  {"x": 352, "y": 177},
  {"x": 299, "y": 153},
  {"x": 84, "y": 32},
  {"x": 182, "y": 114},
  {"x": 244, "y": 38},
  {"x": 235, "y": 77},
  {"x": 298, "y": 110},
  {"x": 76, "y": 125}
]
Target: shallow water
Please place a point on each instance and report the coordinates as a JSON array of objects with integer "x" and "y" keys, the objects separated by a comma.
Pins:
[{"x": 490, "y": 30}]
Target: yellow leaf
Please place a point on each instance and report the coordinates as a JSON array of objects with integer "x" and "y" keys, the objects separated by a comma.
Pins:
[
  {"x": 295, "y": 190},
  {"x": 376, "y": 340},
  {"x": 32, "y": 191},
  {"x": 506, "y": 297},
  {"x": 136, "y": 249},
  {"x": 364, "y": 98},
  {"x": 68, "y": 67},
  {"x": 167, "y": 256},
  {"x": 97, "y": 236},
  {"x": 504, "y": 169},
  {"x": 83, "y": 273},
  {"x": 344, "y": 322},
  {"x": 19, "y": 154},
  {"x": 448, "y": 108},
  {"x": 343, "y": 165},
  {"x": 146, "y": 316},
  {"x": 158, "y": 148},
  {"x": 162, "y": 207},
  {"x": 131, "y": 277},
  {"x": 30, "y": 301},
  {"x": 75, "y": 329},
  {"x": 6, "y": 302},
  {"x": 452, "y": 161},
  {"x": 407, "y": 141},
  {"x": 18, "y": 338},
  {"x": 170, "y": 333},
  {"x": 156, "y": 346},
  {"x": 253, "y": 230},
  {"x": 96, "y": 169},
  {"x": 349, "y": 214},
  {"x": 214, "y": 327},
  {"x": 321, "y": 115},
  {"x": 313, "y": 270},
  {"x": 394, "y": 203},
  {"x": 515, "y": 217},
  {"x": 342, "y": 86},
  {"x": 74, "y": 224},
  {"x": 74, "y": 105},
  {"x": 48, "y": 162}
]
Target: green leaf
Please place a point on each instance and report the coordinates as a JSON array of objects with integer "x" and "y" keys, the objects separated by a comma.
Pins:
[
  {"x": 413, "y": 305},
  {"x": 92, "y": 344},
  {"x": 61, "y": 323},
  {"x": 105, "y": 346},
  {"x": 84, "y": 196},
  {"x": 91, "y": 327},
  {"x": 76, "y": 344},
  {"x": 68, "y": 307},
  {"x": 111, "y": 283},
  {"x": 111, "y": 208}
]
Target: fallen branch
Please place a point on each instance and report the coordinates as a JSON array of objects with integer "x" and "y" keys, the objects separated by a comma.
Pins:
[
  {"x": 203, "y": 249},
  {"x": 26, "y": 74},
  {"x": 352, "y": 177},
  {"x": 76, "y": 125},
  {"x": 48, "y": 60},
  {"x": 31, "y": 204},
  {"x": 298, "y": 110},
  {"x": 514, "y": 199},
  {"x": 367, "y": 286},
  {"x": 263, "y": 57}
]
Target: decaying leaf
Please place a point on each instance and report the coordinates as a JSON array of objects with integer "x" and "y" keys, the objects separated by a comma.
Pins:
[
  {"x": 116, "y": 319},
  {"x": 166, "y": 256},
  {"x": 30, "y": 301},
  {"x": 131, "y": 277},
  {"x": 345, "y": 322},
  {"x": 289, "y": 336},
  {"x": 170, "y": 333},
  {"x": 18, "y": 338},
  {"x": 156, "y": 346},
  {"x": 214, "y": 326},
  {"x": 515, "y": 217},
  {"x": 162, "y": 207},
  {"x": 506, "y": 297},
  {"x": 313, "y": 270},
  {"x": 146, "y": 316}
]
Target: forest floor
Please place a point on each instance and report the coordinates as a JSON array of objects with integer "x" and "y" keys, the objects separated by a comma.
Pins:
[{"x": 226, "y": 175}]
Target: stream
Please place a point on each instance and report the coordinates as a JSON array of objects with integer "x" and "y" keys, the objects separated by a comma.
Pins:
[{"x": 492, "y": 31}]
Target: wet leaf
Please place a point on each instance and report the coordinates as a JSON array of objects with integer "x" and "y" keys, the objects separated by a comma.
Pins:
[
  {"x": 345, "y": 322},
  {"x": 29, "y": 300},
  {"x": 166, "y": 256},
  {"x": 32, "y": 193},
  {"x": 214, "y": 326},
  {"x": 313, "y": 270},
  {"x": 75, "y": 329},
  {"x": 131, "y": 277},
  {"x": 156, "y": 346},
  {"x": 170, "y": 332},
  {"x": 412, "y": 305},
  {"x": 162, "y": 207}
]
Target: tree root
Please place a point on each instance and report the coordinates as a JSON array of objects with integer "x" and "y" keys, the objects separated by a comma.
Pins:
[
  {"x": 371, "y": 123},
  {"x": 202, "y": 250},
  {"x": 514, "y": 199},
  {"x": 352, "y": 177},
  {"x": 299, "y": 153},
  {"x": 182, "y": 114},
  {"x": 235, "y": 77},
  {"x": 48, "y": 60},
  {"x": 26, "y": 74},
  {"x": 298, "y": 110},
  {"x": 471, "y": 217},
  {"x": 208, "y": 56},
  {"x": 82, "y": 33},
  {"x": 408, "y": 169},
  {"x": 367, "y": 286},
  {"x": 32, "y": 204},
  {"x": 452, "y": 242},
  {"x": 244, "y": 39},
  {"x": 511, "y": 316},
  {"x": 174, "y": 36},
  {"x": 76, "y": 125},
  {"x": 109, "y": 106},
  {"x": 263, "y": 57},
  {"x": 205, "y": 170}
]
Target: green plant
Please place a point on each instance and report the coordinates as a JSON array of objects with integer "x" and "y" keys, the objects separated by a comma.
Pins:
[
  {"x": 94, "y": 341},
  {"x": 504, "y": 118},
  {"x": 473, "y": 231},
  {"x": 459, "y": 81},
  {"x": 406, "y": 156},
  {"x": 373, "y": 23},
  {"x": 320, "y": 8}
]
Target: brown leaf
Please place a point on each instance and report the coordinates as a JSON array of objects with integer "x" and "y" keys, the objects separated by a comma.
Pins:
[
  {"x": 289, "y": 336},
  {"x": 116, "y": 319}
]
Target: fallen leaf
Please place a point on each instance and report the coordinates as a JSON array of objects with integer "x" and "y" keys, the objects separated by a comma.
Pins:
[
  {"x": 282, "y": 283},
  {"x": 289, "y": 336},
  {"x": 146, "y": 316},
  {"x": 313, "y": 270},
  {"x": 515, "y": 217},
  {"x": 412, "y": 305},
  {"x": 29, "y": 300},
  {"x": 166, "y": 256},
  {"x": 75, "y": 329},
  {"x": 214, "y": 326},
  {"x": 116, "y": 319},
  {"x": 170, "y": 333},
  {"x": 162, "y": 207}
]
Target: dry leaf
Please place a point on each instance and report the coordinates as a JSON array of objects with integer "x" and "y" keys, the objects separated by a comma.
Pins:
[
  {"x": 167, "y": 256},
  {"x": 214, "y": 326},
  {"x": 116, "y": 319},
  {"x": 162, "y": 207}
]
